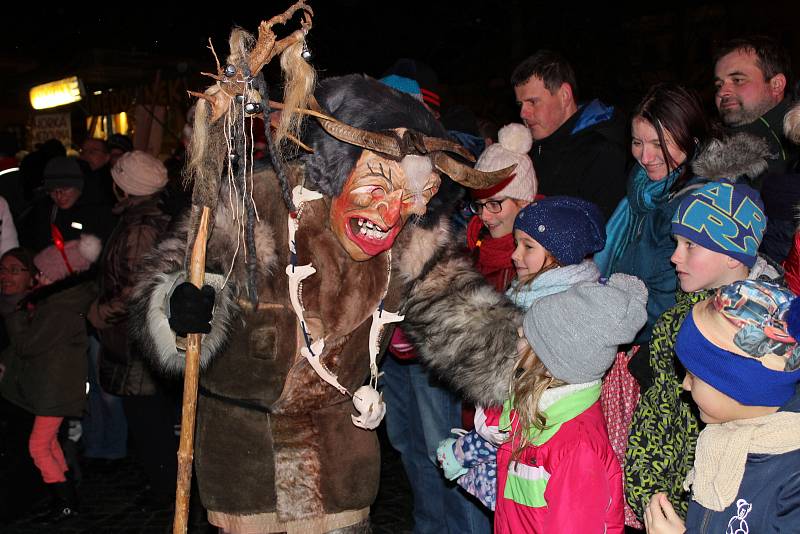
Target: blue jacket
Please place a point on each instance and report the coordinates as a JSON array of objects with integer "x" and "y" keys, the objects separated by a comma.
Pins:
[{"x": 768, "y": 500}]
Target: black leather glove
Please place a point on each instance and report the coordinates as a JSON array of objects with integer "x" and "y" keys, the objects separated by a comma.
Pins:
[{"x": 190, "y": 309}]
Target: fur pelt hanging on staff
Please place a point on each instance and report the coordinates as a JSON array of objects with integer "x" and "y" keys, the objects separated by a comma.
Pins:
[{"x": 222, "y": 142}]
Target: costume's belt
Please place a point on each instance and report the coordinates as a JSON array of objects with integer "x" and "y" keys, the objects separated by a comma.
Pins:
[{"x": 241, "y": 403}]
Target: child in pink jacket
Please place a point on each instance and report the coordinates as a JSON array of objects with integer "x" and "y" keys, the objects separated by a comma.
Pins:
[{"x": 557, "y": 472}]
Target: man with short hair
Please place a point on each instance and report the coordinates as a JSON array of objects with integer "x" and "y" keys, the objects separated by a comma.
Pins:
[
  {"x": 65, "y": 208},
  {"x": 578, "y": 150},
  {"x": 95, "y": 152},
  {"x": 751, "y": 75}
]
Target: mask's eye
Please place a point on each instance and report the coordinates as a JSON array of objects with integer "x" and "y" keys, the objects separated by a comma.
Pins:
[{"x": 367, "y": 194}]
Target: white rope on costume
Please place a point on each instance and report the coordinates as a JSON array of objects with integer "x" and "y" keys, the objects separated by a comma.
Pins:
[
  {"x": 380, "y": 317},
  {"x": 366, "y": 399},
  {"x": 232, "y": 190}
]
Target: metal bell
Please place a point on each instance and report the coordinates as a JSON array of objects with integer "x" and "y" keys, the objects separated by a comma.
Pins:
[
  {"x": 230, "y": 70},
  {"x": 252, "y": 107},
  {"x": 239, "y": 99},
  {"x": 306, "y": 53},
  {"x": 234, "y": 158}
]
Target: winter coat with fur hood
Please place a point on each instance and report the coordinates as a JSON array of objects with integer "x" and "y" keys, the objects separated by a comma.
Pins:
[
  {"x": 46, "y": 361},
  {"x": 275, "y": 445}
]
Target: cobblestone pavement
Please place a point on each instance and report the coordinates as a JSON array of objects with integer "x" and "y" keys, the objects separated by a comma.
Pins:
[{"x": 108, "y": 507}]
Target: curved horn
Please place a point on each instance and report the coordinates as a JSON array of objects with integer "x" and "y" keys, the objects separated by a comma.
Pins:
[
  {"x": 378, "y": 142},
  {"x": 436, "y": 144},
  {"x": 467, "y": 176}
]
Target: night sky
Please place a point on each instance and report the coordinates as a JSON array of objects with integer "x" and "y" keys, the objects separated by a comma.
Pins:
[{"x": 473, "y": 46}]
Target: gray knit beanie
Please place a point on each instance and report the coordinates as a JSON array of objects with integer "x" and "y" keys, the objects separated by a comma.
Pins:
[{"x": 576, "y": 333}]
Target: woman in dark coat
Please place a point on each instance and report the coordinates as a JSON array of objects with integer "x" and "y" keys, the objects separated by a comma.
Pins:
[{"x": 45, "y": 364}]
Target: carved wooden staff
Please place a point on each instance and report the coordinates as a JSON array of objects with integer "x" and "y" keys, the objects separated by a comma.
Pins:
[
  {"x": 186, "y": 450},
  {"x": 232, "y": 80}
]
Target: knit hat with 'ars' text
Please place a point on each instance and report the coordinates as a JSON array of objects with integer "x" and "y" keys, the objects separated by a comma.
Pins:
[{"x": 724, "y": 217}]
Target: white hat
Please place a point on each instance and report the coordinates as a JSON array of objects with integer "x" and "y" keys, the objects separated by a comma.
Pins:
[
  {"x": 514, "y": 142},
  {"x": 139, "y": 174}
]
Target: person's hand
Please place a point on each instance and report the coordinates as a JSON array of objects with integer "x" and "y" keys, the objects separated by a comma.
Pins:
[
  {"x": 190, "y": 309},
  {"x": 660, "y": 517}
]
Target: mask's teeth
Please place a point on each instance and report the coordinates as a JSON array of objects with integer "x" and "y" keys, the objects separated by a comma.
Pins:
[
  {"x": 370, "y": 225},
  {"x": 363, "y": 230},
  {"x": 361, "y": 222}
]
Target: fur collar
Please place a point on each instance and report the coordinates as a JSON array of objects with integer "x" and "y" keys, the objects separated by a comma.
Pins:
[{"x": 732, "y": 157}]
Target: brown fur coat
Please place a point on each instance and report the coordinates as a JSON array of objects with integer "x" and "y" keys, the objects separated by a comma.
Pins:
[{"x": 272, "y": 437}]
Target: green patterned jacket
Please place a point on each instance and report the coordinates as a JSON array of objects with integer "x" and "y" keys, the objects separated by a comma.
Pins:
[{"x": 665, "y": 425}]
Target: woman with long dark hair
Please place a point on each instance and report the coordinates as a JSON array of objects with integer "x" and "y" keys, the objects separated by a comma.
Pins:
[{"x": 668, "y": 130}]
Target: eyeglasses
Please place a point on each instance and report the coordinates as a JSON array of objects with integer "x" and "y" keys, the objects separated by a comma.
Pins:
[
  {"x": 494, "y": 206},
  {"x": 13, "y": 270}
]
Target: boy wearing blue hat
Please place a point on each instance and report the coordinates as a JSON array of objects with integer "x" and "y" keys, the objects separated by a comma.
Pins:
[
  {"x": 718, "y": 229},
  {"x": 743, "y": 367}
]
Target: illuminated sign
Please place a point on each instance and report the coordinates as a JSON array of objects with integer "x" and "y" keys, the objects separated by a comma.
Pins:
[{"x": 50, "y": 95}]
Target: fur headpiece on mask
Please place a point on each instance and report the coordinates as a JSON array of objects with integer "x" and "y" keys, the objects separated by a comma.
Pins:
[{"x": 363, "y": 102}]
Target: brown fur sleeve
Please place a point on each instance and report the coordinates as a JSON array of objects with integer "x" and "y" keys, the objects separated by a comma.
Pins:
[{"x": 463, "y": 329}]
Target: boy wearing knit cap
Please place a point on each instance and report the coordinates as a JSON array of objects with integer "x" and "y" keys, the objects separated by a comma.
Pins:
[
  {"x": 718, "y": 229},
  {"x": 742, "y": 360}
]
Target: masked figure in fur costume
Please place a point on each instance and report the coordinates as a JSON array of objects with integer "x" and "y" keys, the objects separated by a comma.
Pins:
[{"x": 278, "y": 447}]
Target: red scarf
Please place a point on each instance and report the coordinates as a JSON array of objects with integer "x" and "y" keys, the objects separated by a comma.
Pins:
[{"x": 493, "y": 255}]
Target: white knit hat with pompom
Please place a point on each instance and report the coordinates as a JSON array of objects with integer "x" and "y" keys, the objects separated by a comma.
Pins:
[
  {"x": 514, "y": 143},
  {"x": 80, "y": 254}
]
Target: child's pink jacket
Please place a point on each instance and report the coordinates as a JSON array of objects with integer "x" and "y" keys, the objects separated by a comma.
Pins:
[{"x": 569, "y": 481}]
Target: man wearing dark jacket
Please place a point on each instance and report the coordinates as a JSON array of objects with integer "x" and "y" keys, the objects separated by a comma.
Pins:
[
  {"x": 67, "y": 207},
  {"x": 751, "y": 76},
  {"x": 577, "y": 150}
]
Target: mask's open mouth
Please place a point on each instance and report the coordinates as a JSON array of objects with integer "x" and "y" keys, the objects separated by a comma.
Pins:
[{"x": 369, "y": 236}]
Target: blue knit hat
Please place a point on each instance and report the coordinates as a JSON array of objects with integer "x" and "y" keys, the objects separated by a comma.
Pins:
[
  {"x": 723, "y": 217},
  {"x": 403, "y": 84},
  {"x": 569, "y": 228},
  {"x": 742, "y": 342}
]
